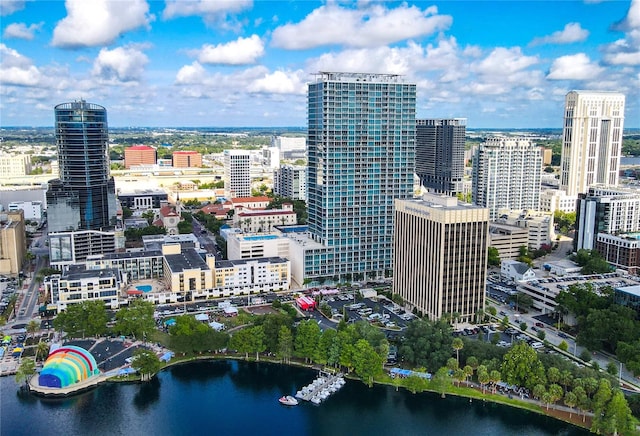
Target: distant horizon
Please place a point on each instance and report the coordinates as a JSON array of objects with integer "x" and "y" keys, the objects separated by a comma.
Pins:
[{"x": 625, "y": 130}]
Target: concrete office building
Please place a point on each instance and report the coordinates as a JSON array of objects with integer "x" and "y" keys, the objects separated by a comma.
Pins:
[
  {"x": 13, "y": 242},
  {"x": 555, "y": 199},
  {"x": 506, "y": 175},
  {"x": 591, "y": 140},
  {"x": 508, "y": 239},
  {"x": 290, "y": 147},
  {"x": 14, "y": 165},
  {"x": 606, "y": 209},
  {"x": 291, "y": 182},
  {"x": 32, "y": 209},
  {"x": 139, "y": 155},
  {"x": 361, "y": 146},
  {"x": 68, "y": 248},
  {"x": 440, "y": 154},
  {"x": 186, "y": 159},
  {"x": 440, "y": 255},
  {"x": 143, "y": 199},
  {"x": 237, "y": 173}
]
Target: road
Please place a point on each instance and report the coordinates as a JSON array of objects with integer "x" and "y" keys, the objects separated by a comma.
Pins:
[{"x": 552, "y": 336}]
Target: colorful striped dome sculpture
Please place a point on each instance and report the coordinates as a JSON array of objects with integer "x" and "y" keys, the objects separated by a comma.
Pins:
[{"x": 67, "y": 365}]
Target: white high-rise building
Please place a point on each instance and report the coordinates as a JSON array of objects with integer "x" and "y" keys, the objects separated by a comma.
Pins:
[
  {"x": 291, "y": 182},
  {"x": 506, "y": 175},
  {"x": 591, "y": 140},
  {"x": 237, "y": 173}
]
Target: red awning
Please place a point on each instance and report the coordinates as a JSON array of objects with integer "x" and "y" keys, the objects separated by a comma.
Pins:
[{"x": 134, "y": 292}]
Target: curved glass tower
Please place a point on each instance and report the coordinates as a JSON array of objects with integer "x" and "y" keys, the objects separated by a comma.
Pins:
[{"x": 84, "y": 197}]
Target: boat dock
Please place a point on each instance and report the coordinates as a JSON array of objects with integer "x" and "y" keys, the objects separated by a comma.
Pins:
[{"x": 321, "y": 388}]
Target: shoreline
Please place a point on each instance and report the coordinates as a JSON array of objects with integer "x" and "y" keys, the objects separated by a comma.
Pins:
[{"x": 467, "y": 392}]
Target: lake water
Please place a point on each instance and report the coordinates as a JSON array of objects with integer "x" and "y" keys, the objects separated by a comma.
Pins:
[{"x": 240, "y": 398}]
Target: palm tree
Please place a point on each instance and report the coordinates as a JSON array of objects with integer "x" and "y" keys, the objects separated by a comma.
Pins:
[
  {"x": 32, "y": 327},
  {"x": 42, "y": 350},
  {"x": 26, "y": 369},
  {"x": 457, "y": 345},
  {"x": 468, "y": 372},
  {"x": 483, "y": 379},
  {"x": 495, "y": 377},
  {"x": 570, "y": 399}
]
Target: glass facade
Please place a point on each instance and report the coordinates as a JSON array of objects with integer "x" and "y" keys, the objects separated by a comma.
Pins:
[
  {"x": 361, "y": 150},
  {"x": 82, "y": 140}
]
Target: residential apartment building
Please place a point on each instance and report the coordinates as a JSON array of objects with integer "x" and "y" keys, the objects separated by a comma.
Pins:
[
  {"x": 506, "y": 175},
  {"x": 440, "y": 146},
  {"x": 139, "y": 155},
  {"x": 83, "y": 198},
  {"x": 77, "y": 284},
  {"x": 291, "y": 182},
  {"x": 237, "y": 173},
  {"x": 68, "y": 248},
  {"x": 186, "y": 159},
  {"x": 257, "y": 221},
  {"x": 361, "y": 149},
  {"x": 591, "y": 140},
  {"x": 440, "y": 260},
  {"x": 621, "y": 251},
  {"x": 252, "y": 276},
  {"x": 555, "y": 199},
  {"x": 606, "y": 209}
]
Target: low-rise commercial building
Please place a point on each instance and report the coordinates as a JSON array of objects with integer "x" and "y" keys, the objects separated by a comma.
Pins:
[
  {"x": 257, "y": 221},
  {"x": 508, "y": 240}
]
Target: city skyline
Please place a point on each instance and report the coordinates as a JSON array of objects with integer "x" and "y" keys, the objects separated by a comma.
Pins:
[{"x": 243, "y": 63}]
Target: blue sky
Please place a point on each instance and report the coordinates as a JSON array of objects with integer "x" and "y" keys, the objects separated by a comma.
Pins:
[{"x": 503, "y": 64}]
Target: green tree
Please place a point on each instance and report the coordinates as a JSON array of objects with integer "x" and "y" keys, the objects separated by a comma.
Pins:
[
  {"x": 88, "y": 318},
  {"x": 494, "y": 378},
  {"x": 427, "y": 344},
  {"x": 493, "y": 256},
  {"x": 541, "y": 335},
  {"x": 285, "y": 344},
  {"x": 242, "y": 341},
  {"x": 483, "y": 378},
  {"x": 306, "y": 339},
  {"x": 367, "y": 363},
  {"x": 42, "y": 350},
  {"x": 457, "y": 345},
  {"x": 614, "y": 417},
  {"x": 570, "y": 399},
  {"x": 32, "y": 327},
  {"x": 25, "y": 371},
  {"x": 563, "y": 345},
  {"x": 538, "y": 391},
  {"x": 146, "y": 363},
  {"x": 521, "y": 366},
  {"x": 523, "y": 326},
  {"x": 555, "y": 392},
  {"x": 136, "y": 319},
  {"x": 441, "y": 381}
]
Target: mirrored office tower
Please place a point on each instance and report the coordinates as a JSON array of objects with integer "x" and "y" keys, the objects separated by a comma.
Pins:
[
  {"x": 361, "y": 148},
  {"x": 440, "y": 154},
  {"x": 83, "y": 198}
]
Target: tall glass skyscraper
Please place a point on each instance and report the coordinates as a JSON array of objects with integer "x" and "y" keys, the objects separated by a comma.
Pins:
[
  {"x": 83, "y": 198},
  {"x": 361, "y": 148},
  {"x": 440, "y": 154}
]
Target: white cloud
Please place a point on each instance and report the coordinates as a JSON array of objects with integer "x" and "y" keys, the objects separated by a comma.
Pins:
[
  {"x": 503, "y": 62},
  {"x": 625, "y": 51},
  {"x": 280, "y": 82},
  {"x": 17, "y": 69},
  {"x": 8, "y": 7},
  {"x": 371, "y": 26},
  {"x": 122, "y": 64},
  {"x": 191, "y": 74},
  {"x": 21, "y": 31},
  {"x": 99, "y": 22},
  {"x": 210, "y": 9},
  {"x": 239, "y": 52},
  {"x": 573, "y": 67},
  {"x": 632, "y": 20},
  {"x": 572, "y": 32}
]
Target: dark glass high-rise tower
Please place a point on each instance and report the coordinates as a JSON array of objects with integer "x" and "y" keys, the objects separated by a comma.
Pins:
[
  {"x": 83, "y": 198},
  {"x": 440, "y": 154}
]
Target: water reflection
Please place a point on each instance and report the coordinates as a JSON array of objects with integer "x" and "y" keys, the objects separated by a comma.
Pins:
[{"x": 148, "y": 394}]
